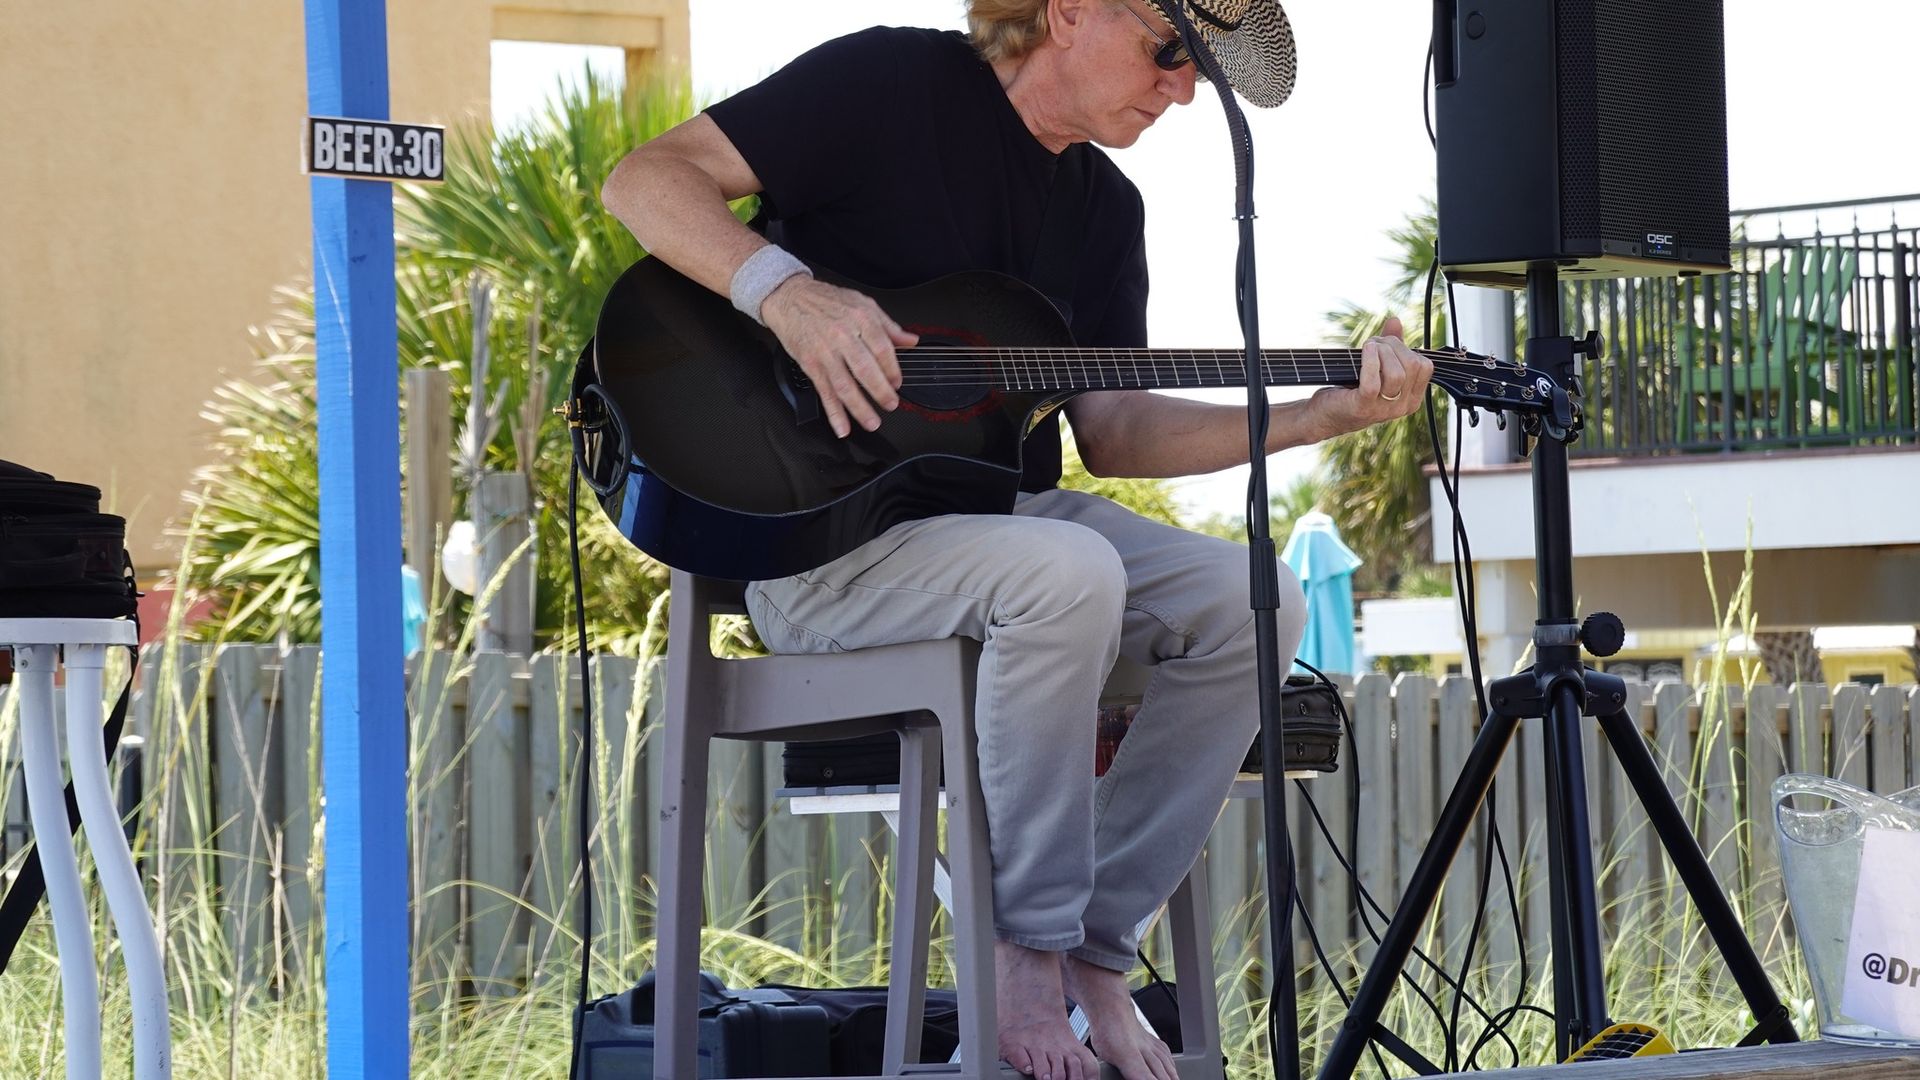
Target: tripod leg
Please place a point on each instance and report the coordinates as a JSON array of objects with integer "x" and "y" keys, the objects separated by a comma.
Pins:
[
  {"x": 1728, "y": 936},
  {"x": 1563, "y": 1007},
  {"x": 1422, "y": 888},
  {"x": 1581, "y": 975}
]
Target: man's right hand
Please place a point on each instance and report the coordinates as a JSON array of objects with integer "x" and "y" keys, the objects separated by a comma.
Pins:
[{"x": 844, "y": 343}]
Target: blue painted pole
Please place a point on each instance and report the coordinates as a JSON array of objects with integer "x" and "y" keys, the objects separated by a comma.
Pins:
[{"x": 363, "y": 697}]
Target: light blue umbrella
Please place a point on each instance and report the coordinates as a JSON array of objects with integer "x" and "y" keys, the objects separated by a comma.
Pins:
[{"x": 1325, "y": 568}]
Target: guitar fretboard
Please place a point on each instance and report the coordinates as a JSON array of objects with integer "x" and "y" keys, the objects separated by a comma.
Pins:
[{"x": 1126, "y": 369}]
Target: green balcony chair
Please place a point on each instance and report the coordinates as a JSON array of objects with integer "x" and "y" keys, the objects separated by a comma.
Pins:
[{"x": 1777, "y": 381}]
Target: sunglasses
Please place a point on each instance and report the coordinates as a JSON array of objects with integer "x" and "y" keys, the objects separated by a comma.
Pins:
[{"x": 1172, "y": 54}]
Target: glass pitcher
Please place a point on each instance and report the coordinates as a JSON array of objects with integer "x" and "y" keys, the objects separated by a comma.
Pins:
[{"x": 1820, "y": 860}]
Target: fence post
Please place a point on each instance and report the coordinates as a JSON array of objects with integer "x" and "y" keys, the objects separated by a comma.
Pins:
[
  {"x": 1766, "y": 761},
  {"x": 1373, "y": 772},
  {"x": 248, "y": 808},
  {"x": 299, "y": 720},
  {"x": 552, "y": 793},
  {"x": 435, "y": 733},
  {"x": 1414, "y": 806},
  {"x": 1888, "y": 735},
  {"x": 502, "y": 520},
  {"x": 497, "y": 826},
  {"x": 429, "y": 487},
  {"x": 1459, "y": 723}
]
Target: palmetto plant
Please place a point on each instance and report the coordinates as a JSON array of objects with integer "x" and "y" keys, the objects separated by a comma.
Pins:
[
  {"x": 1376, "y": 486},
  {"x": 521, "y": 209}
]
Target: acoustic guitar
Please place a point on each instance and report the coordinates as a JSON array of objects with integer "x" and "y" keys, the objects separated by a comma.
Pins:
[{"x": 708, "y": 448}]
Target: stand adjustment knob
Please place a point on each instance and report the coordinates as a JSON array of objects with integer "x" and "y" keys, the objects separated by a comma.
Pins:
[
  {"x": 1592, "y": 345},
  {"x": 1603, "y": 633}
]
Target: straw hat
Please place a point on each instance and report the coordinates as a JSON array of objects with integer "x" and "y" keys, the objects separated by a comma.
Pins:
[{"x": 1251, "y": 39}]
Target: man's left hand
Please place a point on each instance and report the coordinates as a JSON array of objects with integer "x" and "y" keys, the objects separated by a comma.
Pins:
[{"x": 1393, "y": 383}]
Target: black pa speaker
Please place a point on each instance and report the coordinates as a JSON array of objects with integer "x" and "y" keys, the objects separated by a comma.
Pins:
[{"x": 1588, "y": 132}]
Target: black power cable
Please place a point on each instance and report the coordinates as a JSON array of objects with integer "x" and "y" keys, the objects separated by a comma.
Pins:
[
  {"x": 1365, "y": 899},
  {"x": 584, "y": 765}
]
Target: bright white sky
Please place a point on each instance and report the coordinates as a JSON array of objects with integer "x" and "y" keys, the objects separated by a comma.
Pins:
[{"x": 1816, "y": 105}]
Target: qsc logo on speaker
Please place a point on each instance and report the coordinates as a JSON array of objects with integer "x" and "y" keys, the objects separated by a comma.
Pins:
[{"x": 1662, "y": 244}]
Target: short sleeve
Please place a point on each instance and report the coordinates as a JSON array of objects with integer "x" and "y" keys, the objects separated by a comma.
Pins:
[{"x": 808, "y": 131}]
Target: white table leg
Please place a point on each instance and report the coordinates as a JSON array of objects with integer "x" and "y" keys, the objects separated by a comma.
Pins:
[
  {"x": 47, "y": 806},
  {"x": 139, "y": 944}
]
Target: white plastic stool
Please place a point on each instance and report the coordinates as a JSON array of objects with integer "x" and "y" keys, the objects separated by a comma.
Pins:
[{"x": 37, "y": 644}]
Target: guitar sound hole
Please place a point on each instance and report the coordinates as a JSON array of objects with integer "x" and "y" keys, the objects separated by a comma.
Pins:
[{"x": 938, "y": 385}]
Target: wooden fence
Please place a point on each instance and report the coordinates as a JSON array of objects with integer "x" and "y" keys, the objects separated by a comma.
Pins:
[{"x": 231, "y": 765}]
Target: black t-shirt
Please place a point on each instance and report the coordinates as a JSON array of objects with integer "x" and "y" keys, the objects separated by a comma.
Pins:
[{"x": 893, "y": 156}]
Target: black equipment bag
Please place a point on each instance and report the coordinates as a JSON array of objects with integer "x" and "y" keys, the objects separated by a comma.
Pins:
[
  {"x": 857, "y": 1021},
  {"x": 1310, "y": 707},
  {"x": 1312, "y": 712},
  {"x": 742, "y": 1033},
  {"x": 60, "y": 558},
  {"x": 865, "y": 761},
  {"x": 857, "y": 1025}
]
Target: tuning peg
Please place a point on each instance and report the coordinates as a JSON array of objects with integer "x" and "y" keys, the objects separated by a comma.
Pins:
[
  {"x": 1500, "y": 419},
  {"x": 1473, "y": 416}
]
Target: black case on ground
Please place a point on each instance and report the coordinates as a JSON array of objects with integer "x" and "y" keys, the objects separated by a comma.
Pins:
[
  {"x": 742, "y": 1033},
  {"x": 1313, "y": 742}
]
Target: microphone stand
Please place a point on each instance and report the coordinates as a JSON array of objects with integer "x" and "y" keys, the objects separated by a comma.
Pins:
[{"x": 1264, "y": 583}]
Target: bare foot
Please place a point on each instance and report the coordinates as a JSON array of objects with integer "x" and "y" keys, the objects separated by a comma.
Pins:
[
  {"x": 1119, "y": 1038},
  {"x": 1035, "y": 1037}
]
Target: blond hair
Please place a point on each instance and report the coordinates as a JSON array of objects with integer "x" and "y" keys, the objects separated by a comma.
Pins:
[{"x": 1006, "y": 29}]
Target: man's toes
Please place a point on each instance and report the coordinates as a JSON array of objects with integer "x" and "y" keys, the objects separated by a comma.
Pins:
[
  {"x": 1089, "y": 1065},
  {"x": 1020, "y": 1059}
]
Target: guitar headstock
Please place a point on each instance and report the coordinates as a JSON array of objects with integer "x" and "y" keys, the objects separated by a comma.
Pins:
[{"x": 1485, "y": 382}]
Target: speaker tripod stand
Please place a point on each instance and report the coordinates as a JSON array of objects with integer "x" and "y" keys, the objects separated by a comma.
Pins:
[{"x": 1560, "y": 692}]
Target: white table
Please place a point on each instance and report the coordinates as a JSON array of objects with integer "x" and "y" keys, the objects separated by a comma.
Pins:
[{"x": 37, "y": 645}]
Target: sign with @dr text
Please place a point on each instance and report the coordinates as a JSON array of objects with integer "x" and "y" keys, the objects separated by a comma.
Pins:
[{"x": 375, "y": 149}]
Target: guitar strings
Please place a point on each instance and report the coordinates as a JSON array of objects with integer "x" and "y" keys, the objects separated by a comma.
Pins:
[{"x": 959, "y": 366}]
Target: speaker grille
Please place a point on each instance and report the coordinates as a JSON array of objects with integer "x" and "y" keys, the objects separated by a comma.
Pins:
[
  {"x": 1643, "y": 120},
  {"x": 1574, "y": 49}
]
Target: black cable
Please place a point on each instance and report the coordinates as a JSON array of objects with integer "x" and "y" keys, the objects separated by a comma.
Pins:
[
  {"x": 585, "y": 766},
  {"x": 1465, "y": 587},
  {"x": 1320, "y": 955},
  {"x": 1426, "y": 99},
  {"x": 1154, "y": 975},
  {"x": 1353, "y": 874}
]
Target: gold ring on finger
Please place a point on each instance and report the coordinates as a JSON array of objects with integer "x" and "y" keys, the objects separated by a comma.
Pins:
[{"x": 1389, "y": 397}]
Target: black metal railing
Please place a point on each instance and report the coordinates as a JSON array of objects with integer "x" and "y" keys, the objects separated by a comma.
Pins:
[{"x": 1808, "y": 342}]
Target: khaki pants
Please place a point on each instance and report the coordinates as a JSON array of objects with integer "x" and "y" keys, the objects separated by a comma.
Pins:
[{"x": 1054, "y": 592}]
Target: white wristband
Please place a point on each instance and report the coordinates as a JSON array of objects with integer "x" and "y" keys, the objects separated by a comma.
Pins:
[{"x": 764, "y": 271}]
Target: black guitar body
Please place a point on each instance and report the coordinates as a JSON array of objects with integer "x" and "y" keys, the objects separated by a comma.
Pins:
[{"x": 732, "y": 471}]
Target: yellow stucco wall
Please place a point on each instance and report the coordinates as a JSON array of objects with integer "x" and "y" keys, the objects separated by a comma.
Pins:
[{"x": 151, "y": 199}]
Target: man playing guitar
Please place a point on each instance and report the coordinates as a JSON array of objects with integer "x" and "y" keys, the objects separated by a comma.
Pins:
[{"x": 894, "y": 156}]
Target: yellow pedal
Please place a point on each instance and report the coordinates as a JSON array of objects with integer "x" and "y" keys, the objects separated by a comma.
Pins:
[{"x": 1624, "y": 1041}]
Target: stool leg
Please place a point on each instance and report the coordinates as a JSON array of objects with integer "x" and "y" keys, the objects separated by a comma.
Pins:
[
  {"x": 912, "y": 896},
  {"x": 1191, "y": 926},
  {"x": 971, "y": 863},
  {"x": 683, "y": 852},
  {"x": 47, "y": 807}
]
